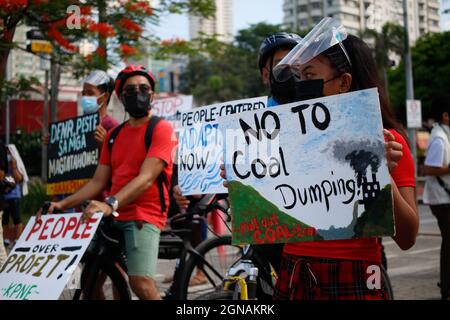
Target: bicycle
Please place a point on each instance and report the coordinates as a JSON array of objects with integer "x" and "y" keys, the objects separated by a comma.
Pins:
[
  {"x": 105, "y": 256},
  {"x": 253, "y": 278},
  {"x": 213, "y": 256},
  {"x": 250, "y": 278}
]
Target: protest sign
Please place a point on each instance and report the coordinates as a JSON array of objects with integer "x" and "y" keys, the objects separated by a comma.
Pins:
[
  {"x": 72, "y": 154},
  {"x": 170, "y": 108},
  {"x": 200, "y": 145},
  {"x": 310, "y": 170},
  {"x": 45, "y": 256}
]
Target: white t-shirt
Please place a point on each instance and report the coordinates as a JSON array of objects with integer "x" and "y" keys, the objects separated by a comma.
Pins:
[
  {"x": 438, "y": 155},
  {"x": 435, "y": 154}
]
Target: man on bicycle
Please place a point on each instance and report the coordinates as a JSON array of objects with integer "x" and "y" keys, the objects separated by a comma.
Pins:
[{"x": 136, "y": 199}]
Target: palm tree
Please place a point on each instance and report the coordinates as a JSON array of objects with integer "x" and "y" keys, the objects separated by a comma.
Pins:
[{"x": 386, "y": 43}]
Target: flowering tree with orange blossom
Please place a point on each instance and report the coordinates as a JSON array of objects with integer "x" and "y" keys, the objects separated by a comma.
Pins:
[{"x": 115, "y": 27}]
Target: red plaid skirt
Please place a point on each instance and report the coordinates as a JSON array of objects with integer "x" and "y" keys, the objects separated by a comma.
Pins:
[{"x": 311, "y": 278}]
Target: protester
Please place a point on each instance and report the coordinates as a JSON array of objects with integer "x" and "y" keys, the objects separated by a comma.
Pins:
[
  {"x": 338, "y": 269},
  {"x": 98, "y": 87},
  {"x": 138, "y": 200},
  {"x": 16, "y": 169},
  {"x": 437, "y": 184},
  {"x": 272, "y": 50},
  {"x": 3, "y": 170}
]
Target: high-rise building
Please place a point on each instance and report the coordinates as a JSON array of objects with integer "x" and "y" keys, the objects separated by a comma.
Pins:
[
  {"x": 445, "y": 15},
  {"x": 358, "y": 15},
  {"x": 27, "y": 64},
  {"x": 221, "y": 24}
]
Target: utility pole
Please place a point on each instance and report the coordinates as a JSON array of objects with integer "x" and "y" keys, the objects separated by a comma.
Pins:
[
  {"x": 39, "y": 45},
  {"x": 45, "y": 65},
  {"x": 409, "y": 82},
  {"x": 55, "y": 76}
]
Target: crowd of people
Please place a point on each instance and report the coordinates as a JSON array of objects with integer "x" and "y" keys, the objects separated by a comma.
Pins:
[{"x": 133, "y": 179}]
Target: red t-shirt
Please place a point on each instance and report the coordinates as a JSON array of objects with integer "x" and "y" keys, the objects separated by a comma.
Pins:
[
  {"x": 358, "y": 249},
  {"x": 128, "y": 155}
]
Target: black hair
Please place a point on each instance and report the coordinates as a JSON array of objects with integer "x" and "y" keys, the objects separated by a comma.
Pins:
[
  {"x": 439, "y": 106},
  {"x": 107, "y": 88},
  {"x": 365, "y": 75}
]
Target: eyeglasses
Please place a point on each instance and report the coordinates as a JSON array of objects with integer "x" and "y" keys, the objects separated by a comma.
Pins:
[{"x": 130, "y": 89}]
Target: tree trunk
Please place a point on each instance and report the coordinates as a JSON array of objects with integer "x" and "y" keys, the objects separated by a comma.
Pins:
[
  {"x": 6, "y": 39},
  {"x": 55, "y": 74}
]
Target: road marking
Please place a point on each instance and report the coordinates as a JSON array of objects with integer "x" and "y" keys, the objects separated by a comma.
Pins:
[
  {"x": 427, "y": 221},
  {"x": 388, "y": 243},
  {"x": 424, "y": 250},
  {"x": 399, "y": 271},
  {"x": 393, "y": 256},
  {"x": 429, "y": 234}
]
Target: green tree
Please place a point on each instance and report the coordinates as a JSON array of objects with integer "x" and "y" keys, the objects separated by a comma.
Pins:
[
  {"x": 116, "y": 27},
  {"x": 232, "y": 72},
  {"x": 431, "y": 71},
  {"x": 385, "y": 43}
]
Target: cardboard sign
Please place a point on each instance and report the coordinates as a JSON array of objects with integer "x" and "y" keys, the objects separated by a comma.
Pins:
[
  {"x": 72, "y": 154},
  {"x": 310, "y": 170},
  {"x": 45, "y": 257},
  {"x": 170, "y": 108},
  {"x": 200, "y": 145}
]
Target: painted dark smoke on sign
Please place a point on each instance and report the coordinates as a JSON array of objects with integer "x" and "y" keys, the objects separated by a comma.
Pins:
[{"x": 361, "y": 155}]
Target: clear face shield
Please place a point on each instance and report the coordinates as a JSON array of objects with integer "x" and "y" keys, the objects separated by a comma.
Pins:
[{"x": 326, "y": 34}]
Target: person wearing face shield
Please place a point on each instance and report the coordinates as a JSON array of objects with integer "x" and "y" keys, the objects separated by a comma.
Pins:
[
  {"x": 272, "y": 50},
  {"x": 98, "y": 87},
  {"x": 340, "y": 270},
  {"x": 138, "y": 169}
]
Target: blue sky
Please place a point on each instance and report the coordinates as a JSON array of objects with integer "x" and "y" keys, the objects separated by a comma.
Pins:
[{"x": 246, "y": 12}]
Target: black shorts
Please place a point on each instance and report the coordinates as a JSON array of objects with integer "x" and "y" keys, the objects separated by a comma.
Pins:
[{"x": 11, "y": 208}]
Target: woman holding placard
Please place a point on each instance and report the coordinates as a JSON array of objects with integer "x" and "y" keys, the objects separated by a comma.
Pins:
[{"x": 330, "y": 62}]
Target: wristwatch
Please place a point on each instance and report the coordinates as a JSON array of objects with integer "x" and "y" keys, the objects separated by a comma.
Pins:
[{"x": 114, "y": 204}]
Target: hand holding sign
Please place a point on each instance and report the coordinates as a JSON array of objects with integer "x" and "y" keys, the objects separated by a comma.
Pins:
[
  {"x": 49, "y": 207},
  {"x": 223, "y": 175},
  {"x": 100, "y": 134},
  {"x": 94, "y": 207},
  {"x": 393, "y": 150}
]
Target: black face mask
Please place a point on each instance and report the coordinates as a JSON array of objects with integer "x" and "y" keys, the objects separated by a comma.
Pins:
[
  {"x": 296, "y": 90},
  {"x": 137, "y": 104}
]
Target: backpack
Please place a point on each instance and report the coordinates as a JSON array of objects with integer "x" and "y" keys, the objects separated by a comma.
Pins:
[{"x": 162, "y": 178}]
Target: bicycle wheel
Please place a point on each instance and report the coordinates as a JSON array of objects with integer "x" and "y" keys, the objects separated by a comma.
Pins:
[
  {"x": 100, "y": 283},
  {"x": 218, "y": 256}
]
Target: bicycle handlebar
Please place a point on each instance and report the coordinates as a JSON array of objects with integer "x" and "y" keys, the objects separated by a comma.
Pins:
[{"x": 208, "y": 203}]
